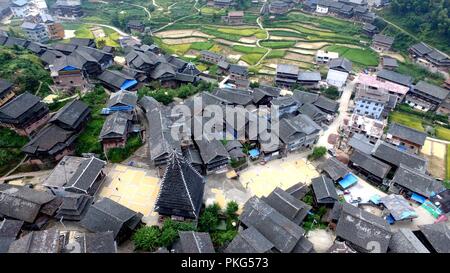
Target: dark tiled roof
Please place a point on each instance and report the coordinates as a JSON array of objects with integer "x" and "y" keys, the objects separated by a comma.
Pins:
[
  {"x": 361, "y": 143},
  {"x": 10, "y": 228},
  {"x": 363, "y": 229},
  {"x": 379, "y": 38},
  {"x": 303, "y": 97},
  {"x": 19, "y": 105},
  {"x": 404, "y": 241},
  {"x": 395, "y": 77},
  {"x": 335, "y": 168},
  {"x": 286, "y": 204},
  {"x": 4, "y": 86},
  {"x": 391, "y": 154},
  {"x": 249, "y": 240},
  {"x": 370, "y": 164},
  {"x": 83, "y": 42},
  {"x": 123, "y": 97},
  {"x": 287, "y": 69},
  {"x": 181, "y": 191},
  {"x": 114, "y": 78},
  {"x": 327, "y": 104},
  {"x": 303, "y": 246},
  {"x": 162, "y": 69},
  {"x": 407, "y": 133},
  {"x": 417, "y": 182},
  {"x": 296, "y": 127},
  {"x": 78, "y": 242},
  {"x": 324, "y": 190},
  {"x": 195, "y": 242},
  {"x": 232, "y": 96},
  {"x": 46, "y": 241},
  {"x": 431, "y": 90},
  {"x": 51, "y": 139},
  {"x": 313, "y": 112},
  {"x": 86, "y": 174},
  {"x": 298, "y": 190},
  {"x": 116, "y": 125},
  {"x": 148, "y": 103},
  {"x": 72, "y": 114},
  {"x": 107, "y": 215},
  {"x": 210, "y": 148},
  {"x": 341, "y": 63},
  {"x": 421, "y": 48},
  {"x": 391, "y": 62},
  {"x": 22, "y": 203},
  {"x": 438, "y": 235},
  {"x": 283, "y": 233},
  {"x": 238, "y": 69},
  {"x": 309, "y": 76}
]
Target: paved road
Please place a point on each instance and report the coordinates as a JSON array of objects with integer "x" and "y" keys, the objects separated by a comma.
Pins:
[{"x": 343, "y": 107}]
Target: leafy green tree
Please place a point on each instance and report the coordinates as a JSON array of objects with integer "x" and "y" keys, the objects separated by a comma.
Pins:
[
  {"x": 209, "y": 219},
  {"x": 147, "y": 238},
  {"x": 231, "y": 210},
  {"x": 318, "y": 152}
]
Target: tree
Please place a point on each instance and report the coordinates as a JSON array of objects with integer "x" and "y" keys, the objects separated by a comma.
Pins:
[
  {"x": 231, "y": 210},
  {"x": 101, "y": 43},
  {"x": 147, "y": 238},
  {"x": 209, "y": 219},
  {"x": 318, "y": 152},
  {"x": 331, "y": 92},
  {"x": 147, "y": 39}
]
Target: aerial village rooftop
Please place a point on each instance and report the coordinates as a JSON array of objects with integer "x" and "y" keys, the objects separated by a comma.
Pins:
[{"x": 336, "y": 141}]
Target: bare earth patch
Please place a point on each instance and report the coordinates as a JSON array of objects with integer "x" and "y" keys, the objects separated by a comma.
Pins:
[
  {"x": 248, "y": 40},
  {"x": 304, "y": 51},
  {"x": 321, "y": 239},
  {"x": 183, "y": 41},
  {"x": 69, "y": 34},
  {"x": 230, "y": 43},
  {"x": 435, "y": 152},
  {"x": 299, "y": 57},
  {"x": 181, "y": 33},
  {"x": 317, "y": 45},
  {"x": 283, "y": 38}
]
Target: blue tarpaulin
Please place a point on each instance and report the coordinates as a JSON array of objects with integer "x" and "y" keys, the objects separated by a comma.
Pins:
[
  {"x": 418, "y": 198},
  {"x": 69, "y": 68},
  {"x": 376, "y": 199},
  {"x": 254, "y": 153},
  {"x": 127, "y": 84},
  {"x": 348, "y": 180},
  {"x": 390, "y": 219}
]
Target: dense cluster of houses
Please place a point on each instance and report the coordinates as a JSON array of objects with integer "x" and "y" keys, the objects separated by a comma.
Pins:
[
  {"x": 69, "y": 194},
  {"x": 357, "y": 9},
  {"x": 301, "y": 118}
]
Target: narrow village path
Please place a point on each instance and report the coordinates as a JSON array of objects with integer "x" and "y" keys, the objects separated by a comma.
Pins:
[
  {"x": 343, "y": 107},
  {"x": 260, "y": 25},
  {"x": 156, "y": 5},
  {"x": 13, "y": 169},
  {"x": 179, "y": 19},
  {"x": 145, "y": 9},
  {"x": 400, "y": 28}
]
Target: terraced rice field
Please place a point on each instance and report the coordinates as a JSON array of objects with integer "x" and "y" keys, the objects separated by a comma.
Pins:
[{"x": 293, "y": 38}]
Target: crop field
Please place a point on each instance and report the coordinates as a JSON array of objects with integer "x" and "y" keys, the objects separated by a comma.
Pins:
[
  {"x": 407, "y": 120},
  {"x": 185, "y": 28}
]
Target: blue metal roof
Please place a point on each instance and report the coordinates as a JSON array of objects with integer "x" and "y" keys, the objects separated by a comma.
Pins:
[
  {"x": 348, "y": 180},
  {"x": 128, "y": 84}
]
